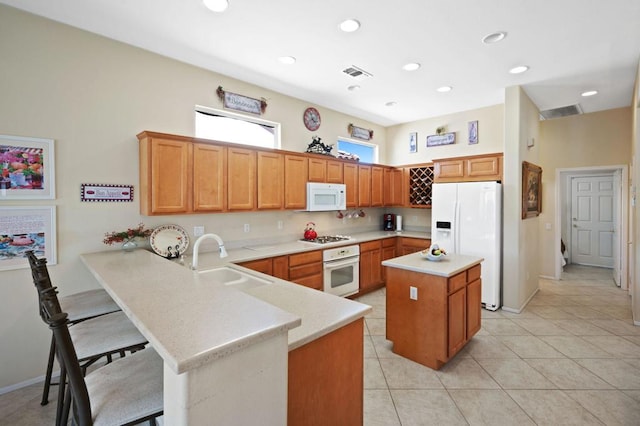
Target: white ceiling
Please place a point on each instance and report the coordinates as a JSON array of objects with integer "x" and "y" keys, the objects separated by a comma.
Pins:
[{"x": 570, "y": 46}]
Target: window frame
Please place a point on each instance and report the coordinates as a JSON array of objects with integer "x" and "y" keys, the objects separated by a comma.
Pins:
[{"x": 376, "y": 148}]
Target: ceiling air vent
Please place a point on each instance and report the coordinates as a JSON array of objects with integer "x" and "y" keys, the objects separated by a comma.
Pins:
[
  {"x": 357, "y": 73},
  {"x": 564, "y": 111}
]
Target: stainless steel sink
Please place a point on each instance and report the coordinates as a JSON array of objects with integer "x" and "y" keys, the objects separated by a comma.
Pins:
[{"x": 232, "y": 277}]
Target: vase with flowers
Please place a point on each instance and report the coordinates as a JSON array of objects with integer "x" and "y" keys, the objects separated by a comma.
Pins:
[{"x": 128, "y": 237}]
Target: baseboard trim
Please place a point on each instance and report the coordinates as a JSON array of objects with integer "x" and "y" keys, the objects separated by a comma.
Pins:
[
  {"x": 26, "y": 383},
  {"x": 524, "y": 305}
]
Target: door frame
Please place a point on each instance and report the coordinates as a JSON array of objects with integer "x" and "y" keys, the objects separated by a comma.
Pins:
[{"x": 563, "y": 178}]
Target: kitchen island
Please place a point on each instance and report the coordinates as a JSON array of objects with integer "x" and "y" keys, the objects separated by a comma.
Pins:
[
  {"x": 433, "y": 308},
  {"x": 226, "y": 352}
]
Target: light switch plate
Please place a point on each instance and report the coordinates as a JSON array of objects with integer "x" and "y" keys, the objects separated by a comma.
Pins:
[
  {"x": 413, "y": 293},
  {"x": 198, "y": 231}
]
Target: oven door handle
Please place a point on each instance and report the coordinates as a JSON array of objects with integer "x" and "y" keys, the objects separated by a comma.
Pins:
[{"x": 339, "y": 264}]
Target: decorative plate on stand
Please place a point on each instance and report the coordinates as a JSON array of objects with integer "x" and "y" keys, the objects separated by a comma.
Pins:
[{"x": 167, "y": 239}]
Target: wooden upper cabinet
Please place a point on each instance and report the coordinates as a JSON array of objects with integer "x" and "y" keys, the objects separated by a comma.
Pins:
[
  {"x": 364, "y": 186},
  {"x": 209, "y": 178},
  {"x": 334, "y": 172},
  {"x": 469, "y": 169},
  {"x": 270, "y": 180},
  {"x": 377, "y": 186},
  {"x": 296, "y": 171},
  {"x": 317, "y": 170},
  {"x": 241, "y": 175},
  {"x": 351, "y": 181},
  {"x": 165, "y": 175}
]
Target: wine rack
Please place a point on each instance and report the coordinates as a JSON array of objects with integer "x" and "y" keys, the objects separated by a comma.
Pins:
[{"x": 420, "y": 181}]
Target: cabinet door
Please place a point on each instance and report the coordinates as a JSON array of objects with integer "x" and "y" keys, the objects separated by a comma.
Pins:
[
  {"x": 209, "y": 177},
  {"x": 457, "y": 320},
  {"x": 281, "y": 267},
  {"x": 317, "y": 170},
  {"x": 449, "y": 169},
  {"x": 474, "y": 307},
  {"x": 484, "y": 168},
  {"x": 399, "y": 188},
  {"x": 351, "y": 181},
  {"x": 261, "y": 265},
  {"x": 377, "y": 176},
  {"x": 170, "y": 176},
  {"x": 364, "y": 186},
  {"x": 296, "y": 171},
  {"x": 387, "y": 187},
  {"x": 241, "y": 176},
  {"x": 270, "y": 180},
  {"x": 370, "y": 267},
  {"x": 413, "y": 245},
  {"x": 334, "y": 172},
  {"x": 387, "y": 253}
]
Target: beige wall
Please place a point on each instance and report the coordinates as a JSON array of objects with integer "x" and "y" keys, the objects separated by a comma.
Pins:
[
  {"x": 92, "y": 96},
  {"x": 589, "y": 140},
  {"x": 634, "y": 217},
  {"x": 490, "y": 136}
]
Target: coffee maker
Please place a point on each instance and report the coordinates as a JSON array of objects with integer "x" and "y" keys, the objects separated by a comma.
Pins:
[{"x": 389, "y": 222}]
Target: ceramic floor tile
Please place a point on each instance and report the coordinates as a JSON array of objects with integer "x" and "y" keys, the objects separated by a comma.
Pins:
[
  {"x": 488, "y": 347},
  {"x": 617, "y": 346},
  {"x": 383, "y": 347},
  {"x": 426, "y": 407},
  {"x": 515, "y": 374},
  {"x": 618, "y": 373},
  {"x": 634, "y": 362},
  {"x": 541, "y": 327},
  {"x": 550, "y": 312},
  {"x": 373, "y": 376},
  {"x": 567, "y": 374},
  {"x": 635, "y": 394},
  {"x": 529, "y": 347},
  {"x": 617, "y": 312},
  {"x": 585, "y": 312},
  {"x": 575, "y": 347},
  {"x": 549, "y": 300},
  {"x": 633, "y": 339},
  {"x": 379, "y": 409},
  {"x": 465, "y": 373},
  {"x": 611, "y": 407},
  {"x": 402, "y": 373},
  {"x": 617, "y": 327},
  {"x": 377, "y": 326},
  {"x": 503, "y": 410},
  {"x": 490, "y": 314},
  {"x": 525, "y": 314},
  {"x": 553, "y": 408},
  {"x": 503, "y": 327},
  {"x": 579, "y": 327},
  {"x": 369, "y": 350}
]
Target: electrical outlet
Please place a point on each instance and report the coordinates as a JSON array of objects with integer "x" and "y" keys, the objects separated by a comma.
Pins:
[
  {"x": 198, "y": 231},
  {"x": 280, "y": 224},
  {"x": 247, "y": 227},
  {"x": 413, "y": 293}
]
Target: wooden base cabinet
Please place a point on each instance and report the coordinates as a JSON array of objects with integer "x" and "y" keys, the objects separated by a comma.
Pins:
[
  {"x": 446, "y": 314},
  {"x": 306, "y": 269},
  {"x": 408, "y": 245},
  {"x": 370, "y": 268}
]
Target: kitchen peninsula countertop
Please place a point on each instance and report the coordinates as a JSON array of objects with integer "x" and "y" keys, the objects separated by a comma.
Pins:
[
  {"x": 191, "y": 321},
  {"x": 450, "y": 265}
]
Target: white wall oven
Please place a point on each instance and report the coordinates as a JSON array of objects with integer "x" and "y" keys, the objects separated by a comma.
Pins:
[{"x": 342, "y": 270}]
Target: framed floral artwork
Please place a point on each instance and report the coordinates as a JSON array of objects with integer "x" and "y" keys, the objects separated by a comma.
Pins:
[
  {"x": 26, "y": 168},
  {"x": 23, "y": 229},
  {"x": 531, "y": 190}
]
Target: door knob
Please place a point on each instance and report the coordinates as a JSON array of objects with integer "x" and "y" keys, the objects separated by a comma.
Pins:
[{"x": 575, "y": 226}]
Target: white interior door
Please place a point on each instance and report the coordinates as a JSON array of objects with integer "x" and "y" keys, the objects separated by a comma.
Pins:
[
  {"x": 593, "y": 221},
  {"x": 617, "y": 217}
]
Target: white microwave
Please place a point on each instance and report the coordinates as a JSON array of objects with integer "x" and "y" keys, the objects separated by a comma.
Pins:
[{"x": 323, "y": 197}]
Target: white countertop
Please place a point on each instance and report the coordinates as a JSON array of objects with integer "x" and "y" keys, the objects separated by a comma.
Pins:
[{"x": 450, "y": 265}]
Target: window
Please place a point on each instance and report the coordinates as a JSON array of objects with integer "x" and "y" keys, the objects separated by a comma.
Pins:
[
  {"x": 366, "y": 152},
  {"x": 226, "y": 126}
]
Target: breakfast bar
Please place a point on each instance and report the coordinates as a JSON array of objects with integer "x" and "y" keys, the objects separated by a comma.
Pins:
[{"x": 433, "y": 308}]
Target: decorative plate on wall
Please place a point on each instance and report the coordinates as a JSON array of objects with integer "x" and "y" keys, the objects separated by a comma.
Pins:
[{"x": 168, "y": 239}]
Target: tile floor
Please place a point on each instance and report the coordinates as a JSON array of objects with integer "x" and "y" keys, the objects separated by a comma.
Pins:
[{"x": 571, "y": 358}]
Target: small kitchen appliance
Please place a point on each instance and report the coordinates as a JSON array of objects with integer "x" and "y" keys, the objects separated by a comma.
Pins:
[
  {"x": 389, "y": 222},
  {"x": 324, "y": 197}
]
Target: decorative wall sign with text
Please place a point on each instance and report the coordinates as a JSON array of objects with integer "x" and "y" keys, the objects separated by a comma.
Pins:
[
  {"x": 443, "y": 139},
  {"x": 360, "y": 133},
  {"x": 105, "y": 192},
  {"x": 241, "y": 103}
]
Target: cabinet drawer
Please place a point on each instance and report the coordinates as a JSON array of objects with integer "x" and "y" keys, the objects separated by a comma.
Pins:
[
  {"x": 303, "y": 258},
  {"x": 305, "y": 270},
  {"x": 370, "y": 245},
  {"x": 473, "y": 273},
  {"x": 457, "y": 281},
  {"x": 261, "y": 265},
  {"x": 312, "y": 281},
  {"x": 389, "y": 242}
]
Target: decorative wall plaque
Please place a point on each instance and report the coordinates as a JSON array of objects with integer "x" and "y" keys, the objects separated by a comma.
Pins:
[{"x": 104, "y": 192}]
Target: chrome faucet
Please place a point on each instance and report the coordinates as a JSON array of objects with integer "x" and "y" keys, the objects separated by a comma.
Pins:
[{"x": 196, "y": 248}]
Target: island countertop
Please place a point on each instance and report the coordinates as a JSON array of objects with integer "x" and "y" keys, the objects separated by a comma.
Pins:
[
  {"x": 450, "y": 265},
  {"x": 191, "y": 321}
]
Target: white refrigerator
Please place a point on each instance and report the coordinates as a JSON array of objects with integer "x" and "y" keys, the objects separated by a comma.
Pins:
[{"x": 466, "y": 218}]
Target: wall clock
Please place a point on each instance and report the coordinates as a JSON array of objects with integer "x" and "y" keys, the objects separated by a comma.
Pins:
[{"x": 311, "y": 118}]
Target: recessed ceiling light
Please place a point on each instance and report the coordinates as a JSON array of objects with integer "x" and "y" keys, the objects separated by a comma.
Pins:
[
  {"x": 444, "y": 89},
  {"x": 412, "y": 66},
  {"x": 349, "y": 25},
  {"x": 519, "y": 69},
  {"x": 589, "y": 93},
  {"x": 287, "y": 60},
  {"x": 353, "y": 88},
  {"x": 391, "y": 104},
  {"x": 494, "y": 37},
  {"x": 216, "y": 5}
]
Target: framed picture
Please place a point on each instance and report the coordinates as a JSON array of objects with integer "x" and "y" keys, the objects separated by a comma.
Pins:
[
  {"x": 442, "y": 139},
  {"x": 531, "y": 190},
  {"x": 23, "y": 229},
  {"x": 473, "y": 132},
  {"x": 26, "y": 168},
  {"x": 413, "y": 142}
]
